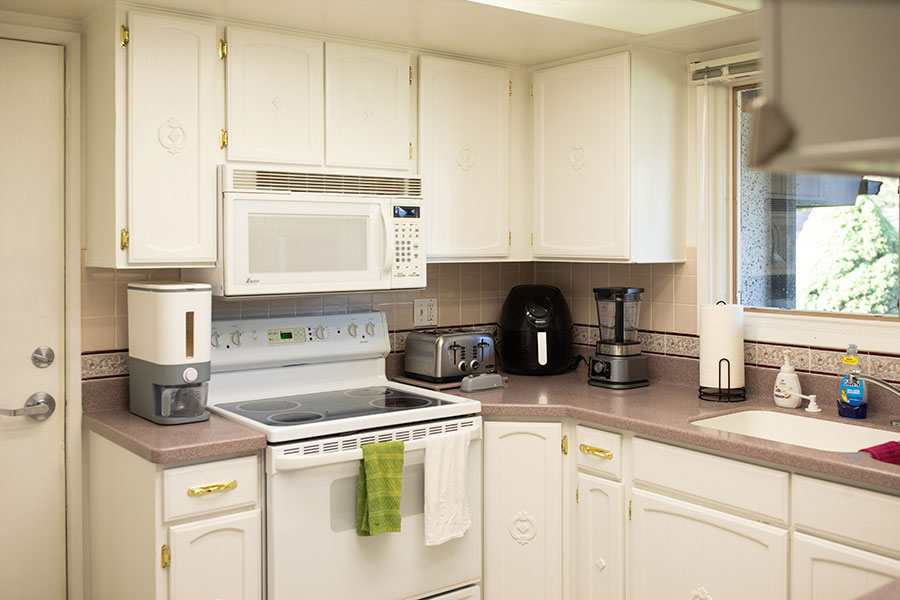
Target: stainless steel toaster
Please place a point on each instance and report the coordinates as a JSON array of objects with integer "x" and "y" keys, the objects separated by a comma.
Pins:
[{"x": 441, "y": 357}]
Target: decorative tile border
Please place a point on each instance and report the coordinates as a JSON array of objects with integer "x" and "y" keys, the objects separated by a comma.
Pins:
[
  {"x": 110, "y": 364},
  {"x": 682, "y": 345}
]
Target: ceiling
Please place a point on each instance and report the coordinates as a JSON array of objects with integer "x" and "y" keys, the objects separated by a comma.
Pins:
[{"x": 456, "y": 27}]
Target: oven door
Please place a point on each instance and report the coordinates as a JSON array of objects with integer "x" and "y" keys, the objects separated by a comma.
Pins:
[
  {"x": 313, "y": 551},
  {"x": 305, "y": 243}
]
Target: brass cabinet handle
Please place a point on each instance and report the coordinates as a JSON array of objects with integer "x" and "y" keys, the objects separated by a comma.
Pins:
[
  {"x": 202, "y": 490},
  {"x": 594, "y": 451}
]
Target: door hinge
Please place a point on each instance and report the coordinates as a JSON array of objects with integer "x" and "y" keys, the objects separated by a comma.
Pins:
[
  {"x": 410, "y": 76},
  {"x": 532, "y": 239},
  {"x": 629, "y": 510},
  {"x": 510, "y": 89},
  {"x": 165, "y": 556},
  {"x": 223, "y": 49},
  {"x": 410, "y": 151},
  {"x": 124, "y": 239},
  {"x": 565, "y": 444},
  {"x": 223, "y": 139},
  {"x": 510, "y": 244},
  {"x": 532, "y": 89},
  {"x": 123, "y": 36},
  {"x": 576, "y": 495}
]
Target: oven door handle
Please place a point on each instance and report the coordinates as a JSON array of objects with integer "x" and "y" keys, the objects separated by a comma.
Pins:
[{"x": 299, "y": 461}]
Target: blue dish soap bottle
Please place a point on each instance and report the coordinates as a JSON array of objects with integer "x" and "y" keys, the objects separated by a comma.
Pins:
[{"x": 852, "y": 402}]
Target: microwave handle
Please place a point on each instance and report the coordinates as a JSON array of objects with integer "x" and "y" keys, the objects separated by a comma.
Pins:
[{"x": 388, "y": 241}]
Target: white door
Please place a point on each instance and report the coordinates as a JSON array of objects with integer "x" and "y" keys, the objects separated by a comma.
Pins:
[
  {"x": 366, "y": 108},
  {"x": 275, "y": 97},
  {"x": 172, "y": 140},
  {"x": 822, "y": 570},
  {"x": 32, "y": 504},
  {"x": 680, "y": 550},
  {"x": 522, "y": 511},
  {"x": 216, "y": 559},
  {"x": 581, "y": 159},
  {"x": 601, "y": 517},
  {"x": 464, "y": 157}
]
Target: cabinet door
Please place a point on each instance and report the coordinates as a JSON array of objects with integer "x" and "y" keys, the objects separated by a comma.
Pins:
[
  {"x": 216, "y": 559},
  {"x": 823, "y": 570},
  {"x": 581, "y": 161},
  {"x": 172, "y": 138},
  {"x": 601, "y": 568},
  {"x": 522, "y": 511},
  {"x": 366, "y": 108},
  {"x": 679, "y": 550},
  {"x": 464, "y": 157},
  {"x": 275, "y": 98}
]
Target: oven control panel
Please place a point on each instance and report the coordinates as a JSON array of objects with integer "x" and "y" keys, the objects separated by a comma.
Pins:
[{"x": 280, "y": 341}]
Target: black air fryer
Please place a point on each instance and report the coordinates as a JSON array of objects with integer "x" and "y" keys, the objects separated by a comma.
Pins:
[{"x": 535, "y": 331}]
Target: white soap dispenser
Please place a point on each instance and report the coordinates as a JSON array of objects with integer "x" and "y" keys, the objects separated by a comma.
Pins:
[{"x": 787, "y": 392}]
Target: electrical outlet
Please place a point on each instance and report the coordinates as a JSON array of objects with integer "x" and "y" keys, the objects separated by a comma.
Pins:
[{"x": 424, "y": 312}]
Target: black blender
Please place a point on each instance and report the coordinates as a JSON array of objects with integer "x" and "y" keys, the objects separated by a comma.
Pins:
[{"x": 618, "y": 363}]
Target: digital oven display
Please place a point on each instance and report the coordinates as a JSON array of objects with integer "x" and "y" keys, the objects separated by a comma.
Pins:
[
  {"x": 286, "y": 336},
  {"x": 406, "y": 212}
]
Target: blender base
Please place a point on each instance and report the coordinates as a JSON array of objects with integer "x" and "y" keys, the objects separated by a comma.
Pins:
[{"x": 618, "y": 372}]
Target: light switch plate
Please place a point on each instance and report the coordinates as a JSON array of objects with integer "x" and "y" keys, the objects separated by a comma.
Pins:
[{"x": 424, "y": 312}]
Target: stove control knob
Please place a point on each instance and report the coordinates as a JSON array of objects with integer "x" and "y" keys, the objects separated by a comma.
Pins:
[
  {"x": 463, "y": 366},
  {"x": 320, "y": 333},
  {"x": 236, "y": 338},
  {"x": 370, "y": 328},
  {"x": 352, "y": 330},
  {"x": 474, "y": 365},
  {"x": 214, "y": 339}
]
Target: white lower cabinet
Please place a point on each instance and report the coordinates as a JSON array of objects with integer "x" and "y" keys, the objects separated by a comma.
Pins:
[
  {"x": 601, "y": 541},
  {"x": 681, "y": 550},
  {"x": 522, "y": 511},
  {"x": 823, "y": 570}
]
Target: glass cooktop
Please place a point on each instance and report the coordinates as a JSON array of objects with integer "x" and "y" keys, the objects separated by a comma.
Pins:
[{"x": 328, "y": 406}]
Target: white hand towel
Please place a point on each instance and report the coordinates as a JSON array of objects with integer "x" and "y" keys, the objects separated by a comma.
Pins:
[{"x": 446, "y": 501}]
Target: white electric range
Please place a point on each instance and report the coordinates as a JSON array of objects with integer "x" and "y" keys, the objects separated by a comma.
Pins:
[{"x": 316, "y": 386}]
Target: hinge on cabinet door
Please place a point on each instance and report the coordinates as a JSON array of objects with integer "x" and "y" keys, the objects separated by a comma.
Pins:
[
  {"x": 223, "y": 49},
  {"x": 124, "y": 239},
  {"x": 532, "y": 89},
  {"x": 576, "y": 495},
  {"x": 410, "y": 151},
  {"x": 629, "y": 510},
  {"x": 510, "y": 89},
  {"x": 410, "y": 76},
  {"x": 510, "y": 244},
  {"x": 223, "y": 139},
  {"x": 165, "y": 556},
  {"x": 565, "y": 444},
  {"x": 123, "y": 36},
  {"x": 532, "y": 239}
]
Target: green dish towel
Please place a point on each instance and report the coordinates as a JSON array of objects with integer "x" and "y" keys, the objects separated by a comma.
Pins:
[{"x": 378, "y": 492}]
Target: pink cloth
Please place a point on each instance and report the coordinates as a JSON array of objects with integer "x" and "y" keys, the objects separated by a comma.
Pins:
[{"x": 888, "y": 452}]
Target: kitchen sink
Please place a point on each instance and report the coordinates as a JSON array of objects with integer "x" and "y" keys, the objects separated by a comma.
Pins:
[{"x": 800, "y": 430}]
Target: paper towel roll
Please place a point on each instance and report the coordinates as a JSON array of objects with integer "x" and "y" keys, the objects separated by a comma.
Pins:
[{"x": 721, "y": 336}]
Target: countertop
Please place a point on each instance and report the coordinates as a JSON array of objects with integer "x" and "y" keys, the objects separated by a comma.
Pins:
[{"x": 664, "y": 411}]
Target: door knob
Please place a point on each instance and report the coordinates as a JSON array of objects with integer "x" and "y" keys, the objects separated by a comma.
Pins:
[{"x": 39, "y": 406}]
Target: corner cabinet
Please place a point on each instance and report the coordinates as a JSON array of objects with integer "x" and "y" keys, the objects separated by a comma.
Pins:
[
  {"x": 275, "y": 97},
  {"x": 522, "y": 511},
  {"x": 183, "y": 532},
  {"x": 152, "y": 139},
  {"x": 464, "y": 157},
  {"x": 367, "y": 108},
  {"x": 608, "y": 159}
]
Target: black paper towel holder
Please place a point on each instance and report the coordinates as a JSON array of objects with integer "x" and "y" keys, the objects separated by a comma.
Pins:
[{"x": 723, "y": 394}]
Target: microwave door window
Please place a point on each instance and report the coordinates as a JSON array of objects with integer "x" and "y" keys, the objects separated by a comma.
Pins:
[{"x": 324, "y": 247}]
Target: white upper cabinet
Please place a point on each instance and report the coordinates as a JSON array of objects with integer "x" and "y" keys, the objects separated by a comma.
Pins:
[
  {"x": 367, "y": 108},
  {"x": 830, "y": 87},
  {"x": 152, "y": 140},
  {"x": 464, "y": 157},
  {"x": 608, "y": 159},
  {"x": 274, "y": 98}
]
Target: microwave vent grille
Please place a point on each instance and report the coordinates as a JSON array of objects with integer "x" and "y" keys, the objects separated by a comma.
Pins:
[{"x": 326, "y": 183}]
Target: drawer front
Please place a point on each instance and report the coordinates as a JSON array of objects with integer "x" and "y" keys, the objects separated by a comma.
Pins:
[
  {"x": 859, "y": 517},
  {"x": 723, "y": 481},
  {"x": 210, "y": 487},
  {"x": 599, "y": 451}
]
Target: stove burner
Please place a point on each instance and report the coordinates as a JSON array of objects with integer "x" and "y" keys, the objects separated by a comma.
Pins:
[
  {"x": 370, "y": 392},
  {"x": 267, "y": 405},
  {"x": 401, "y": 402},
  {"x": 294, "y": 418}
]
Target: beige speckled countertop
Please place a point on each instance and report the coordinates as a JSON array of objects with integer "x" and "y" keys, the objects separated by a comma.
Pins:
[{"x": 664, "y": 411}]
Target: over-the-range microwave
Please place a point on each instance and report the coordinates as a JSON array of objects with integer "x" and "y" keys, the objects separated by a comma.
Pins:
[{"x": 284, "y": 232}]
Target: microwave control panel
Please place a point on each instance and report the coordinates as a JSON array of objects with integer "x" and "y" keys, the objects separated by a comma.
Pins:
[{"x": 408, "y": 269}]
